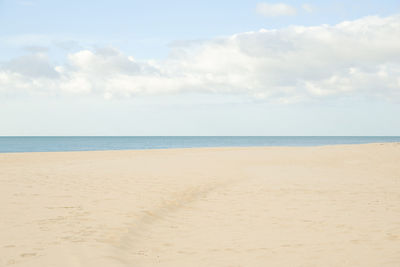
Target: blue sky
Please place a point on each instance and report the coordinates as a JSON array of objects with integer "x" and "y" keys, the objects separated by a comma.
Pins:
[
  {"x": 145, "y": 28},
  {"x": 199, "y": 68}
]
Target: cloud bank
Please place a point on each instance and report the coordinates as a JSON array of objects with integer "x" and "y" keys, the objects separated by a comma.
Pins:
[{"x": 354, "y": 58}]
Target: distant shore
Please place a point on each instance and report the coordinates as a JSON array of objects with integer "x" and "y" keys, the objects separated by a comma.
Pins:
[{"x": 333, "y": 205}]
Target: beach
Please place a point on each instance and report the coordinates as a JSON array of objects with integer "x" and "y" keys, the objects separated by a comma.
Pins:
[{"x": 261, "y": 206}]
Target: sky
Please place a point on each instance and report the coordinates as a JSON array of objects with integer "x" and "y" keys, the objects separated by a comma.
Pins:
[{"x": 199, "y": 67}]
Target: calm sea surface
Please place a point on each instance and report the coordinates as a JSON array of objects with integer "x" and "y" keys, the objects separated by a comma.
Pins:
[{"x": 82, "y": 143}]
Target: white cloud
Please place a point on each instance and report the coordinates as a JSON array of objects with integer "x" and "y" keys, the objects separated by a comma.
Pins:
[
  {"x": 26, "y": 3},
  {"x": 274, "y": 10},
  {"x": 308, "y": 8},
  {"x": 354, "y": 58}
]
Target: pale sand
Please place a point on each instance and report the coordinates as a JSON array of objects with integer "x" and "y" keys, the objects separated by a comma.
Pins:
[{"x": 309, "y": 206}]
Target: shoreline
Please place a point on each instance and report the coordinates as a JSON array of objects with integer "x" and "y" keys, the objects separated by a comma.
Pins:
[{"x": 211, "y": 147}]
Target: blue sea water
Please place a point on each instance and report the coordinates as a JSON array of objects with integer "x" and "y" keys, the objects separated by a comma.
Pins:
[{"x": 89, "y": 143}]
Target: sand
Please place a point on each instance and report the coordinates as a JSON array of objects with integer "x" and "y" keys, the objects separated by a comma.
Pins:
[{"x": 271, "y": 206}]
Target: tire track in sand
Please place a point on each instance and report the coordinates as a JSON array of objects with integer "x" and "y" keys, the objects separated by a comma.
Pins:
[{"x": 128, "y": 250}]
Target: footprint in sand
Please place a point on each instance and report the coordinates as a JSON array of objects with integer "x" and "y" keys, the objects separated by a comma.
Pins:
[{"x": 24, "y": 255}]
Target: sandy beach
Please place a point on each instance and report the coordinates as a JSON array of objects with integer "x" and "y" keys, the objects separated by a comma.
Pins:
[{"x": 261, "y": 206}]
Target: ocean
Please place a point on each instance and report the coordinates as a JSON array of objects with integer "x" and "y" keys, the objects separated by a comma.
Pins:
[{"x": 89, "y": 143}]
